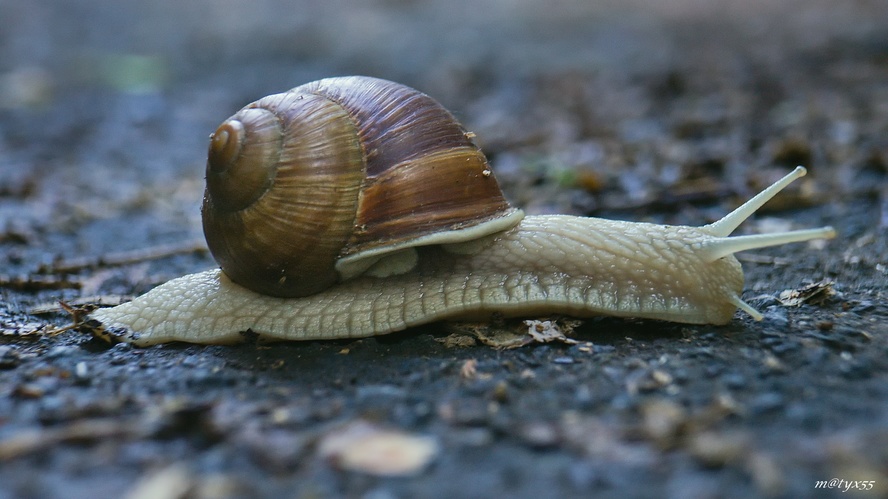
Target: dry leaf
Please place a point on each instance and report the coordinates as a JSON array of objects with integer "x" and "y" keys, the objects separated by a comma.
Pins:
[
  {"x": 546, "y": 331},
  {"x": 813, "y": 294},
  {"x": 457, "y": 340},
  {"x": 518, "y": 334}
]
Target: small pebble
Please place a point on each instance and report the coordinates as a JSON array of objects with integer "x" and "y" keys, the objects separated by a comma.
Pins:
[
  {"x": 364, "y": 447},
  {"x": 81, "y": 373},
  {"x": 863, "y": 307},
  {"x": 784, "y": 347},
  {"x": 120, "y": 353},
  {"x": 539, "y": 434},
  {"x": 802, "y": 415},
  {"x": 500, "y": 392},
  {"x": 714, "y": 450},
  {"x": 28, "y": 391},
  {"x": 583, "y": 396},
  {"x": 663, "y": 421},
  {"x": 766, "y": 474},
  {"x": 853, "y": 334},
  {"x": 9, "y": 357},
  {"x": 60, "y": 351},
  {"x": 713, "y": 370},
  {"x": 855, "y": 370},
  {"x": 733, "y": 380},
  {"x": 582, "y": 476},
  {"x": 680, "y": 375},
  {"x": 121, "y": 347},
  {"x": 661, "y": 377},
  {"x": 466, "y": 411},
  {"x": 776, "y": 317},
  {"x": 701, "y": 352},
  {"x": 191, "y": 361},
  {"x": 765, "y": 301},
  {"x": 829, "y": 341},
  {"x": 767, "y": 402},
  {"x": 380, "y": 391}
]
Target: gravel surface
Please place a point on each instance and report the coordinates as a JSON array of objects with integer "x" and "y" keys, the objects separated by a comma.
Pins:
[{"x": 669, "y": 112}]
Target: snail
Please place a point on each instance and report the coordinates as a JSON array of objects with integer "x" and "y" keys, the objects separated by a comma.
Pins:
[{"x": 404, "y": 224}]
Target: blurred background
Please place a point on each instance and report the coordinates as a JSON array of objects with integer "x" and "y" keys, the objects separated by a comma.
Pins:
[{"x": 583, "y": 107}]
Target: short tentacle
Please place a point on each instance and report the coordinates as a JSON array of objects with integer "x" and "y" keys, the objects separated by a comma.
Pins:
[{"x": 742, "y": 305}]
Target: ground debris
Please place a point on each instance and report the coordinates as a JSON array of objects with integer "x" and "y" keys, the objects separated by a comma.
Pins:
[
  {"x": 90, "y": 430},
  {"x": 508, "y": 335},
  {"x": 125, "y": 257},
  {"x": 545, "y": 331},
  {"x": 663, "y": 422},
  {"x": 368, "y": 448},
  {"x": 469, "y": 369},
  {"x": 9, "y": 357},
  {"x": 88, "y": 303},
  {"x": 31, "y": 283},
  {"x": 716, "y": 449},
  {"x": 173, "y": 482},
  {"x": 23, "y": 329},
  {"x": 813, "y": 294},
  {"x": 457, "y": 340}
]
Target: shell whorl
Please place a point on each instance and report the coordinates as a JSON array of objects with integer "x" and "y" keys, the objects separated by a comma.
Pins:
[{"x": 338, "y": 170}]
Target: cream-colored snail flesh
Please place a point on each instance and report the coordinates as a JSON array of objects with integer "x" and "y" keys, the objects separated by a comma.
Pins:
[{"x": 352, "y": 207}]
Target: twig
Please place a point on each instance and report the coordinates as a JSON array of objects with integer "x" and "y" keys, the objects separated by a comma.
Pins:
[
  {"x": 38, "y": 283},
  {"x": 124, "y": 257},
  {"x": 35, "y": 440},
  {"x": 53, "y": 307}
]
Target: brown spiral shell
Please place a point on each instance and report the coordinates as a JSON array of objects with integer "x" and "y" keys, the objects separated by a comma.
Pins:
[{"x": 312, "y": 186}]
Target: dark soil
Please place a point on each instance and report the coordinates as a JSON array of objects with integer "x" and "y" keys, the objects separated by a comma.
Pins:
[{"x": 672, "y": 112}]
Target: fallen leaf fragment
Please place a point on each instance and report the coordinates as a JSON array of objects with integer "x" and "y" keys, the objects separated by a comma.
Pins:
[
  {"x": 368, "y": 448},
  {"x": 518, "y": 334},
  {"x": 457, "y": 340},
  {"x": 546, "y": 331},
  {"x": 813, "y": 294}
]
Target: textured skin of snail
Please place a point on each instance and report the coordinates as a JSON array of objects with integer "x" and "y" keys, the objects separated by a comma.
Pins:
[
  {"x": 542, "y": 266},
  {"x": 501, "y": 264},
  {"x": 547, "y": 264}
]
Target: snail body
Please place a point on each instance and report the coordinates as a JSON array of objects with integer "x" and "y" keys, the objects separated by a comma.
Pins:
[{"x": 449, "y": 247}]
